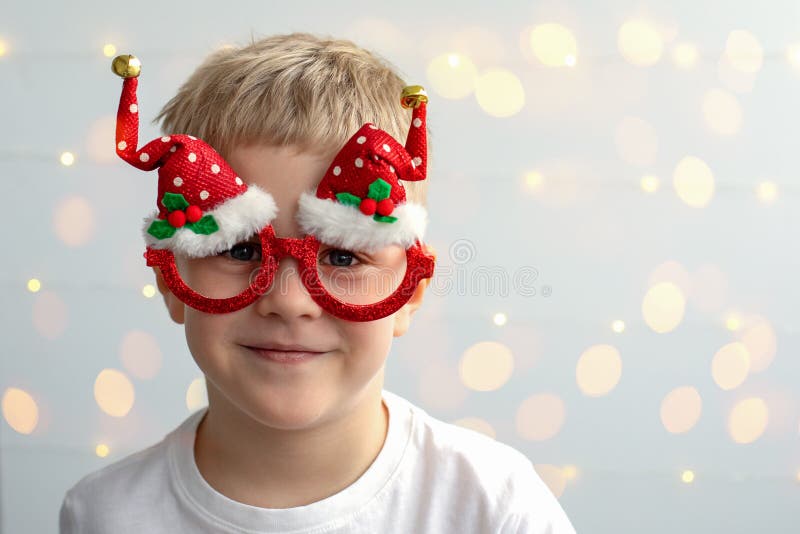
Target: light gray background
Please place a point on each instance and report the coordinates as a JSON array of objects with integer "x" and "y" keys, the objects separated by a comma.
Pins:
[{"x": 594, "y": 249}]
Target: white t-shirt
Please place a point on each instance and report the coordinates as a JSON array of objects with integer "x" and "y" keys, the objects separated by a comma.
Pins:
[{"x": 429, "y": 477}]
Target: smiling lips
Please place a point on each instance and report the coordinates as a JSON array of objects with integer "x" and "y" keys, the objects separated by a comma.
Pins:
[{"x": 282, "y": 353}]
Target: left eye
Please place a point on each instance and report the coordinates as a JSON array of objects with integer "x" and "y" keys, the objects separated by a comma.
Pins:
[
  {"x": 245, "y": 252},
  {"x": 340, "y": 258}
]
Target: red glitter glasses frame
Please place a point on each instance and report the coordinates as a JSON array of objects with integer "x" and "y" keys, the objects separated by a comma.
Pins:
[{"x": 419, "y": 265}]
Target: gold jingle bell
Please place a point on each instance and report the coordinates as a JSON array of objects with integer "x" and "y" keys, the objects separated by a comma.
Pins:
[
  {"x": 413, "y": 96},
  {"x": 126, "y": 66}
]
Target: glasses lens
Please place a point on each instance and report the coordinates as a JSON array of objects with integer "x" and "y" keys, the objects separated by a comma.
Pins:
[
  {"x": 224, "y": 275},
  {"x": 357, "y": 277}
]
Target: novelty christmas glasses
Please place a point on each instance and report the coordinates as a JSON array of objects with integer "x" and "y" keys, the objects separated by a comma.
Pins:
[{"x": 362, "y": 256}]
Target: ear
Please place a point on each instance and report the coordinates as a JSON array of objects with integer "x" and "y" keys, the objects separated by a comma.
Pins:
[
  {"x": 402, "y": 317},
  {"x": 174, "y": 305}
]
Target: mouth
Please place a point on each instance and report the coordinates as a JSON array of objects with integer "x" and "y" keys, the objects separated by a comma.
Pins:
[{"x": 287, "y": 354}]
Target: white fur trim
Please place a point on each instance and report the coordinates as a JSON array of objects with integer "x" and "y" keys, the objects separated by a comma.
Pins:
[
  {"x": 345, "y": 226},
  {"x": 238, "y": 218}
]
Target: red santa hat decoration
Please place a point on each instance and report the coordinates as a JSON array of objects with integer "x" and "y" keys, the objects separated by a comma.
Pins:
[
  {"x": 203, "y": 207},
  {"x": 360, "y": 203}
]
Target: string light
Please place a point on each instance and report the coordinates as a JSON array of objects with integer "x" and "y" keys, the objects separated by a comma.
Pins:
[
  {"x": 500, "y": 319},
  {"x": 618, "y": 326},
  {"x": 101, "y": 450},
  {"x": 34, "y": 285},
  {"x": 67, "y": 158},
  {"x": 687, "y": 476},
  {"x": 149, "y": 291},
  {"x": 109, "y": 50}
]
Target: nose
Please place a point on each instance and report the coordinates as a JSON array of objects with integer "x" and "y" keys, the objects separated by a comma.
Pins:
[{"x": 287, "y": 297}]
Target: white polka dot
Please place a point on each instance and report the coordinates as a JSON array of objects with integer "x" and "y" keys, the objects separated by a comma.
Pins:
[
  {"x": 165, "y": 139},
  {"x": 203, "y": 195},
  {"x": 134, "y": 108},
  {"x": 391, "y": 168},
  {"x": 417, "y": 123},
  {"x": 417, "y": 161},
  {"x": 122, "y": 145},
  {"x": 215, "y": 168},
  {"x": 238, "y": 181},
  {"x": 178, "y": 181},
  {"x": 359, "y": 162},
  {"x": 193, "y": 138},
  {"x": 144, "y": 157},
  {"x": 373, "y": 126},
  {"x": 337, "y": 171},
  {"x": 361, "y": 140},
  {"x": 192, "y": 157},
  {"x": 173, "y": 149},
  {"x": 386, "y": 148}
]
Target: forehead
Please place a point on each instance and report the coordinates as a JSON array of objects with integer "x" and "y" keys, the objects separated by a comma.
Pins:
[{"x": 285, "y": 172}]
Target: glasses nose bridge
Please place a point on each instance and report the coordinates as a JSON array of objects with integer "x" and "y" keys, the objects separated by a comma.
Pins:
[{"x": 287, "y": 246}]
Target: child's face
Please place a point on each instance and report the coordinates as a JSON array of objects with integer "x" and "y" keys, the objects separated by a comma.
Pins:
[{"x": 287, "y": 396}]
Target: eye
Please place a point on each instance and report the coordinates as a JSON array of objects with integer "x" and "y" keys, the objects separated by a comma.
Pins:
[
  {"x": 340, "y": 258},
  {"x": 245, "y": 252}
]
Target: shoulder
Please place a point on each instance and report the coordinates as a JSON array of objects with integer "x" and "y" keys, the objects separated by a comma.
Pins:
[
  {"x": 486, "y": 473},
  {"x": 135, "y": 482}
]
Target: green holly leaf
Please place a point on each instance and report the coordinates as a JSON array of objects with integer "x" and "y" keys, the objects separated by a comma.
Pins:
[
  {"x": 161, "y": 229},
  {"x": 384, "y": 218},
  {"x": 379, "y": 189},
  {"x": 347, "y": 199},
  {"x": 206, "y": 225},
  {"x": 173, "y": 202}
]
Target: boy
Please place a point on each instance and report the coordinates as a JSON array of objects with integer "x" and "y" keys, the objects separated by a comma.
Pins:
[{"x": 291, "y": 252}]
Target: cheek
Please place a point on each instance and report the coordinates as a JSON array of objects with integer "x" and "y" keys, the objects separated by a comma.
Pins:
[
  {"x": 370, "y": 340},
  {"x": 205, "y": 333}
]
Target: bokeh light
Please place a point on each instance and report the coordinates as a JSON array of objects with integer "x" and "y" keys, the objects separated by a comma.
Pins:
[
  {"x": 499, "y": 93},
  {"x": 767, "y": 192},
  {"x": 478, "y": 425},
  {"x": 486, "y": 366},
  {"x": 67, "y": 159},
  {"x": 49, "y": 315},
  {"x": 554, "y": 45},
  {"x": 640, "y": 43},
  {"x": 196, "y": 394},
  {"x": 3, "y": 48},
  {"x": 500, "y": 319},
  {"x": 722, "y": 112},
  {"x": 730, "y": 366},
  {"x": 109, "y": 50},
  {"x": 687, "y": 476},
  {"x": 598, "y": 371},
  {"x": 34, "y": 285},
  {"x": 101, "y": 450},
  {"x": 140, "y": 354},
  {"x": 733, "y": 322},
  {"x": 650, "y": 183},
  {"x": 540, "y": 417},
  {"x": 452, "y": 75},
  {"x": 663, "y": 307},
  {"x": 685, "y": 55},
  {"x": 793, "y": 54},
  {"x": 759, "y": 337},
  {"x": 20, "y": 410},
  {"x": 673, "y": 272},
  {"x": 744, "y": 51},
  {"x": 636, "y": 141},
  {"x": 149, "y": 291},
  {"x": 114, "y": 392},
  {"x": 681, "y": 409},
  {"x": 74, "y": 221},
  {"x": 570, "y": 472},
  {"x": 100, "y": 140},
  {"x": 709, "y": 288},
  {"x": 618, "y": 326},
  {"x": 748, "y": 420},
  {"x": 553, "y": 477},
  {"x": 533, "y": 180},
  {"x": 694, "y": 181}
]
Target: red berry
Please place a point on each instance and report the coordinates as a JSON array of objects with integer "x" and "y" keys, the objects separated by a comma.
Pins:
[
  {"x": 193, "y": 214},
  {"x": 385, "y": 207},
  {"x": 368, "y": 206},
  {"x": 177, "y": 218}
]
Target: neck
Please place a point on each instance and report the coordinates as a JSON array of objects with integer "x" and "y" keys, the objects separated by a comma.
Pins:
[{"x": 275, "y": 468}]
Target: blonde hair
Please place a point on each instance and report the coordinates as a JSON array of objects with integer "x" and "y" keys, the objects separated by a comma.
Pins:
[{"x": 296, "y": 89}]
